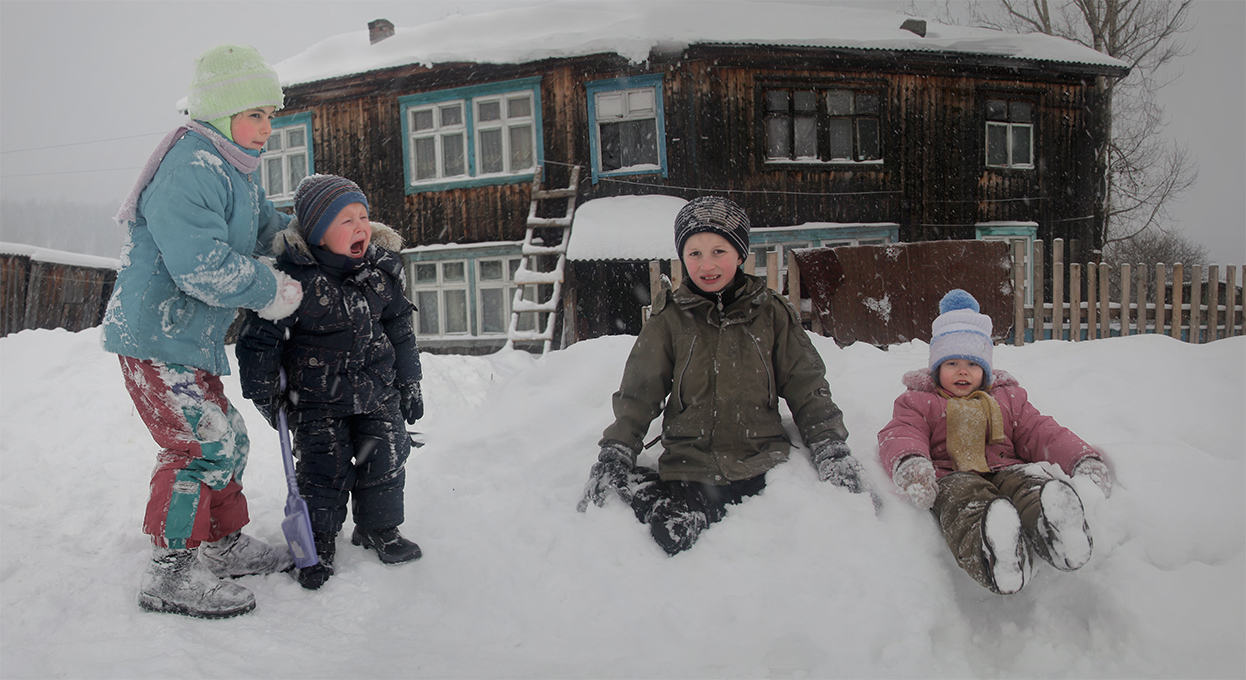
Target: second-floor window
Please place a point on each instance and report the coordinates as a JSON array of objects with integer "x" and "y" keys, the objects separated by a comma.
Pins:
[
  {"x": 472, "y": 135},
  {"x": 627, "y": 135},
  {"x": 287, "y": 157},
  {"x": 1009, "y": 133},
  {"x": 836, "y": 125}
]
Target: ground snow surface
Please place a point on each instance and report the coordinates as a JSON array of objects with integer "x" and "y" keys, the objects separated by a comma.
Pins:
[{"x": 801, "y": 581}]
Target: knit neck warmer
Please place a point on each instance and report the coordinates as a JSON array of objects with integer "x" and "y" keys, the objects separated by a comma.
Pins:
[
  {"x": 972, "y": 421},
  {"x": 246, "y": 161}
]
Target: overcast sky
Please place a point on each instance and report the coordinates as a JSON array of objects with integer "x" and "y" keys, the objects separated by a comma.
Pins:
[{"x": 87, "y": 88}]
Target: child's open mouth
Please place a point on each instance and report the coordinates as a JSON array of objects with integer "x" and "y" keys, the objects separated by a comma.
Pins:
[{"x": 359, "y": 246}]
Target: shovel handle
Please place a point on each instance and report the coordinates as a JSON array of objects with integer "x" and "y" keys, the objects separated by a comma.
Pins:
[{"x": 283, "y": 432}]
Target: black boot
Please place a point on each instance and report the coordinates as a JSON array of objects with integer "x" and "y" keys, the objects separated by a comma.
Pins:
[
  {"x": 314, "y": 576},
  {"x": 389, "y": 545}
]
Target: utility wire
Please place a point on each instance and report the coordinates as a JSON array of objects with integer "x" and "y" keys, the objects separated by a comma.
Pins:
[{"x": 93, "y": 141}]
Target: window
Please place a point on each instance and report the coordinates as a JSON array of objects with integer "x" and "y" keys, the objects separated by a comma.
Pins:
[
  {"x": 496, "y": 288},
  {"x": 440, "y": 294},
  {"x": 823, "y": 125},
  {"x": 627, "y": 134},
  {"x": 470, "y": 136},
  {"x": 287, "y": 157},
  {"x": 1009, "y": 134}
]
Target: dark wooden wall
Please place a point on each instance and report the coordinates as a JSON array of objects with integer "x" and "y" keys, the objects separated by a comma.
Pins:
[
  {"x": 933, "y": 182},
  {"x": 36, "y": 294}
]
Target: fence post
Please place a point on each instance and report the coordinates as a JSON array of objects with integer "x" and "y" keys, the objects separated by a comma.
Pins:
[
  {"x": 1057, "y": 289},
  {"x": 1075, "y": 301},
  {"x": 1178, "y": 301},
  {"x": 772, "y": 270},
  {"x": 1196, "y": 304},
  {"x": 655, "y": 282},
  {"x": 1018, "y": 292},
  {"x": 677, "y": 274},
  {"x": 1105, "y": 302},
  {"x": 1038, "y": 293},
  {"x": 1126, "y": 274},
  {"x": 1092, "y": 324},
  {"x": 1141, "y": 298},
  {"x": 1230, "y": 282},
  {"x": 750, "y": 263},
  {"x": 1213, "y": 302},
  {"x": 793, "y": 282},
  {"x": 1161, "y": 295}
]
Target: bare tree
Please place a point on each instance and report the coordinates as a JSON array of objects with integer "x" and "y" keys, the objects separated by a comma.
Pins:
[{"x": 1143, "y": 173}]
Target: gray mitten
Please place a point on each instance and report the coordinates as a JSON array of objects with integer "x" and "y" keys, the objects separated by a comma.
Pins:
[
  {"x": 609, "y": 473},
  {"x": 1097, "y": 471},
  {"x": 836, "y": 465}
]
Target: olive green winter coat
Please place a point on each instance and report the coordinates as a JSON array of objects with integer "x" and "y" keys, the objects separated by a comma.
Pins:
[{"x": 724, "y": 371}]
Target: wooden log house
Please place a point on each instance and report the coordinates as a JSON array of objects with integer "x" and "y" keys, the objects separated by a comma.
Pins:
[{"x": 899, "y": 130}]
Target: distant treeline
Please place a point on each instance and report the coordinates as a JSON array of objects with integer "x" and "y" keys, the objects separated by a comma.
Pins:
[{"x": 74, "y": 227}]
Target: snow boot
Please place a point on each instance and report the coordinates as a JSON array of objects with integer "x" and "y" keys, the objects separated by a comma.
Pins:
[
  {"x": 675, "y": 526},
  {"x": 240, "y": 555},
  {"x": 1004, "y": 550},
  {"x": 389, "y": 545},
  {"x": 1061, "y": 535},
  {"x": 178, "y": 583},
  {"x": 314, "y": 576}
]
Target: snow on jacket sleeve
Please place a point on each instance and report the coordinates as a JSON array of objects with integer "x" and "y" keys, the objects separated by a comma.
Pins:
[
  {"x": 801, "y": 377},
  {"x": 1039, "y": 438},
  {"x": 908, "y": 433},
  {"x": 189, "y": 225},
  {"x": 647, "y": 379}
]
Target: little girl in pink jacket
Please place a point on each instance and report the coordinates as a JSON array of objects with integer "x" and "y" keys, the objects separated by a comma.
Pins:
[{"x": 963, "y": 442}]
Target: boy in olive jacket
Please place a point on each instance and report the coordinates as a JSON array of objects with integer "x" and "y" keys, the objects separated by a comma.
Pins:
[{"x": 719, "y": 352}]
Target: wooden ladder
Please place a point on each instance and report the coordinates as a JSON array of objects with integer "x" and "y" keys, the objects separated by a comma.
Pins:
[{"x": 529, "y": 277}]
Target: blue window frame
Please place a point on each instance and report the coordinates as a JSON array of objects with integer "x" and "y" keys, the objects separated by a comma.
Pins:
[
  {"x": 288, "y": 157},
  {"x": 472, "y": 136},
  {"x": 627, "y": 134}
]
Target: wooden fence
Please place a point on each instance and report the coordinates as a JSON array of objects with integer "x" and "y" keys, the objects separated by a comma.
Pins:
[
  {"x": 1187, "y": 303},
  {"x": 1094, "y": 300},
  {"x": 36, "y": 293}
]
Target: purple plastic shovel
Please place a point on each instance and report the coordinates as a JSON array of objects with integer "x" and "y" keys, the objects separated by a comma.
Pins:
[{"x": 297, "y": 524}]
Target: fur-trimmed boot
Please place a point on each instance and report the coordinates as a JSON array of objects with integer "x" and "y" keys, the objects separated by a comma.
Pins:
[{"x": 178, "y": 583}]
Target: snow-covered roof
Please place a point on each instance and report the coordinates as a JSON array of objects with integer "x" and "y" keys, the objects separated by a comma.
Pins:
[
  {"x": 625, "y": 228},
  {"x": 40, "y": 254},
  {"x": 631, "y": 28}
]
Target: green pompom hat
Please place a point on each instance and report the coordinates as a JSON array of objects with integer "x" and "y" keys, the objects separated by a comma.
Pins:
[{"x": 230, "y": 79}]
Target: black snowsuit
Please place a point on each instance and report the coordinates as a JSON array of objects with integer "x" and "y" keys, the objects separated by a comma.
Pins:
[{"x": 345, "y": 351}]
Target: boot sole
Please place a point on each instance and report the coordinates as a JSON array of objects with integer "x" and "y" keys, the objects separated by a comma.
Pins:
[
  {"x": 1065, "y": 521},
  {"x": 152, "y": 603},
  {"x": 1007, "y": 570}
]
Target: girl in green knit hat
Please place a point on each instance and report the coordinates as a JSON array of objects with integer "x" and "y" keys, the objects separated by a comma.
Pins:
[{"x": 196, "y": 218}]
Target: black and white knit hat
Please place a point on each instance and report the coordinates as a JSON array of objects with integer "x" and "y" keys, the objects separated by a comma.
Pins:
[
  {"x": 318, "y": 200},
  {"x": 961, "y": 331},
  {"x": 714, "y": 214}
]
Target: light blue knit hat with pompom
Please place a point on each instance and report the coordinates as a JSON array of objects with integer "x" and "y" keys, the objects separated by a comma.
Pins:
[{"x": 961, "y": 331}]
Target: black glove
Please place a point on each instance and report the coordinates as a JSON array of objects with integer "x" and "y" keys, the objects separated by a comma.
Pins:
[
  {"x": 609, "y": 473},
  {"x": 412, "y": 402},
  {"x": 271, "y": 406}
]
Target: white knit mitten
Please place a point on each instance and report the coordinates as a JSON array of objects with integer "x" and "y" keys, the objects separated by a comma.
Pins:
[
  {"x": 1098, "y": 473},
  {"x": 289, "y": 296},
  {"x": 915, "y": 476}
]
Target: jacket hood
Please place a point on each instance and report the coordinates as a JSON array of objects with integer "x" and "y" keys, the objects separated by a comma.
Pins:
[
  {"x": 383, "y": 237},
  {"x": 923, "y": 381}
]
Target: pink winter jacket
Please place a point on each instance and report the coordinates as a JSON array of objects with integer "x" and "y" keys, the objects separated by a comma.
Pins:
[{"x": 919, "y": 427}]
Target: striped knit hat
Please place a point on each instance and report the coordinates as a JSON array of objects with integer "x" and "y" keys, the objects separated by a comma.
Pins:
[
  {"x": 714, "y": 214},
  {"x": 318, "y": 200},
  {"x": 961, "y": 331},
  {"x": 230, "y": 79}
]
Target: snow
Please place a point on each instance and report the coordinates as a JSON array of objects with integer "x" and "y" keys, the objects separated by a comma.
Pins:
[
  {"x": 625, "y": 228},
  {"x": 39, "y": 254},
  {"x": 801, "y": 581},
  {"x": 571, "y": 28}
]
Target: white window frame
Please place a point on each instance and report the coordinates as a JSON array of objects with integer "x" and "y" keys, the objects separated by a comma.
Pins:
[
  {"x": 1011, "y": 129},
  {"x": 440, "y": 288},
  {"x": 506, "y": 285},
  {"x": 285, "y": 156},
  {"x": 470, "y": 130},
  {"x": 622, "y": 100}
]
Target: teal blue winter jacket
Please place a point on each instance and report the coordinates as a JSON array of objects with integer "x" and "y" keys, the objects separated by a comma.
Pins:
[{"x": 188, "y": 265}]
